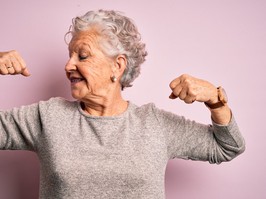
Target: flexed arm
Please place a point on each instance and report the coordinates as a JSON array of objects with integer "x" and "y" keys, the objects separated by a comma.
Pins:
[
  {"x": 219, "y": 142},
  {"x": 11, "y": 63},
  {"x": 18, "y": 126}
]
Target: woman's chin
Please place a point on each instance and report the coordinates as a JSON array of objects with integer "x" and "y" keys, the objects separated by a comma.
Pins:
[{"x": 76, "y": 95}]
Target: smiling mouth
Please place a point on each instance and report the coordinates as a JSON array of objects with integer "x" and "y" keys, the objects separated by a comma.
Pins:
[{"x": 74, "y": 80}]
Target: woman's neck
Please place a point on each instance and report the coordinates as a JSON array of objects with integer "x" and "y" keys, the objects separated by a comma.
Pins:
[{"x": 105, "y": 106}]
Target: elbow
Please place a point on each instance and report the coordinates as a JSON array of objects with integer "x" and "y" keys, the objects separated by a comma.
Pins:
[
  {"x": 241, "y": 147},
  {"x": 235, "y": 153},
  {"x": 227, "y": 154}
]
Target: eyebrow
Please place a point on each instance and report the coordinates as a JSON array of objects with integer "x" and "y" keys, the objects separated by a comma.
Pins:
[{"x": 81, "y": 48}]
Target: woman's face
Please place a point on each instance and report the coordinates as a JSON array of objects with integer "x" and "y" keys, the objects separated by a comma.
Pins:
[{"x": 88, "y": 68}]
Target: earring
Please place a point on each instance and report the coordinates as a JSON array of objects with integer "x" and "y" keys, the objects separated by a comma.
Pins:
[{"x": 113, "y": 78}]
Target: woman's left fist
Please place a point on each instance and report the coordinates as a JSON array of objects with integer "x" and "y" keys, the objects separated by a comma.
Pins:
[{"x": 191, "y": 89}]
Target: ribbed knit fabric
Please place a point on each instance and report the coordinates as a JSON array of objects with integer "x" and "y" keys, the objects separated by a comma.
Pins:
[{"x": 116, "y": 157}]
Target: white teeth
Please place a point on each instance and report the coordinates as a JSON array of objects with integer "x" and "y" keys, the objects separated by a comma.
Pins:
[{"x": 75, "y": 80}]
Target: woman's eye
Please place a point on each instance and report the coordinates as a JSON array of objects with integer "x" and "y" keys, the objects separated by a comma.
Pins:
[{"x": 82, "y": 57}]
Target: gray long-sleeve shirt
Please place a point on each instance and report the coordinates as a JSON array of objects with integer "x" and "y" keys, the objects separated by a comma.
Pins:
[{"x": 112, "y": 157}]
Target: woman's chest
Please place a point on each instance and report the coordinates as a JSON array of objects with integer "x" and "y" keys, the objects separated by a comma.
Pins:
[{"x": 114, "y": 158}]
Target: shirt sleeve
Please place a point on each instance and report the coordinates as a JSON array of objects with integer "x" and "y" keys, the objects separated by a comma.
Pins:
[
  {"x": 20, "y": 127},
  {"x": 188, "y": 139}
]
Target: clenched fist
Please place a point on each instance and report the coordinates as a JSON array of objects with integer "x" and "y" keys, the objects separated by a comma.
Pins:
[
  {"x": 190, "y": 89},
  {"x": 12, "y": 63}
]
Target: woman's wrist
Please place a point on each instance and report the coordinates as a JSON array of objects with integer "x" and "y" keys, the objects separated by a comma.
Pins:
[{"x": 221, "y": 115}]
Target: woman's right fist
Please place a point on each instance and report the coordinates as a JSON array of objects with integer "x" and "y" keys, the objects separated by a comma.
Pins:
[{"x": 12, "y": 63}]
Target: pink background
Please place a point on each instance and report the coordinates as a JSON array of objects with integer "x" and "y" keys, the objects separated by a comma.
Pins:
[{"x": 220, "y": 41}]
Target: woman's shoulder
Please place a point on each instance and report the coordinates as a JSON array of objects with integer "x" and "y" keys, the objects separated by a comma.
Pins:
[
  {"x": 150, "y": 109},
  {"x": 142, "y": 108},
  {"x": 57, "y": 103},
  {"x": 147, "y": 110}
]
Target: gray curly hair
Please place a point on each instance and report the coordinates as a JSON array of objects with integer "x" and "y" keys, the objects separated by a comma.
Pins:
[{"x": 121, "y": 37}]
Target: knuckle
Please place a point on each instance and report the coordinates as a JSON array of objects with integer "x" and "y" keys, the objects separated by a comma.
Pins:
[
  {"x": 13, "y": 52},
  {"x": 172, "y": 84},
  {"x": 17, "y": 70},
  {"x": 5, "y": 57},
  {"x": 187, "y": 81},
  {"x": 187, "y": 101},
  {"x": 182, "y": 96},
  {"x": 184, "y": 76},
  {"x": 3, "y": 72}
]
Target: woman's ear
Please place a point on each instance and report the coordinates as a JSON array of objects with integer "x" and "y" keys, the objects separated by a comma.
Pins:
[{"x": 120, "y": 64}]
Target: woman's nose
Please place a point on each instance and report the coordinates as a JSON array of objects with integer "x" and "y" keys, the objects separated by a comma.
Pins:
[{"x": 70, "y": 65}]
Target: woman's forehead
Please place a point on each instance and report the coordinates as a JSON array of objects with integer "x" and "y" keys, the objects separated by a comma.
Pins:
[{"x": 84, "y": 39}]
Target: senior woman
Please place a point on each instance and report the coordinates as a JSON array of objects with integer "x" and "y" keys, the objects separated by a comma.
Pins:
[{"x": 101, "y": 145}]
